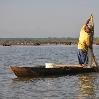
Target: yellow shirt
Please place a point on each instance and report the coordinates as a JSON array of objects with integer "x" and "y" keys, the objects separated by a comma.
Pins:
[{"x": 84, "y": 40}]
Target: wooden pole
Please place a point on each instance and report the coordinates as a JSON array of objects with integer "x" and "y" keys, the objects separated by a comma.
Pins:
[{"x": 92, "y": 34}]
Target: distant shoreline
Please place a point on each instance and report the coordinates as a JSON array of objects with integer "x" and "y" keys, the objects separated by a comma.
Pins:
[{"x": 40, "y": 41}]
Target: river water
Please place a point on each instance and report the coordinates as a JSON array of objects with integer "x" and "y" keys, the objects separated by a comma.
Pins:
[{"x": 80, "y": 86}]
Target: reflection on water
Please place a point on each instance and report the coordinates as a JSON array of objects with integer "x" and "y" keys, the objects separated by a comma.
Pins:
[{"x": 87, "y": 86}]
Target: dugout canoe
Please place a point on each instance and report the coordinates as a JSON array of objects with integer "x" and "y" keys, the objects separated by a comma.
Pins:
[{"x": 41, "y": 71}]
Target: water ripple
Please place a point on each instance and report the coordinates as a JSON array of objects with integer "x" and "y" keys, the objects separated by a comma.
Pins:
[{"x": 83, "y": 86}]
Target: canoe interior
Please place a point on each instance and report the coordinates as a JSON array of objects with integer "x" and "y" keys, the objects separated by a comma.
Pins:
[{"x": 43, "y": 72}]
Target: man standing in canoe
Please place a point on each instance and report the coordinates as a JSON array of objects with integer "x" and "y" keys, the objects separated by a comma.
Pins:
[{"x": 85, "y": 42}]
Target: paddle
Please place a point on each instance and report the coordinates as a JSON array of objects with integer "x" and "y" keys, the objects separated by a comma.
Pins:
[{"x": 92, "y": 58}]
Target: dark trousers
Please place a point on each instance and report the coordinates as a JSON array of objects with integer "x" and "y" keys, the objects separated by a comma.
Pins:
[{"x": 82, "y": 56}]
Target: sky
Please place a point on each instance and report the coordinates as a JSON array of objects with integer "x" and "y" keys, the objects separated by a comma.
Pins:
[{"x": 46, "y": 18}]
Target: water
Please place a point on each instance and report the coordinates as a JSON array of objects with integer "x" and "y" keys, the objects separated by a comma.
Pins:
[{"x": 81, "y": 86}]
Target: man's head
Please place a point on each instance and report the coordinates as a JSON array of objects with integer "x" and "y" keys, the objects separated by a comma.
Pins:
[{"x": 87, "y": 29}]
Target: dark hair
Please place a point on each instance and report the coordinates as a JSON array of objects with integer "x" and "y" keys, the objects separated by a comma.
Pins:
[{"x": 87, "y": 29}]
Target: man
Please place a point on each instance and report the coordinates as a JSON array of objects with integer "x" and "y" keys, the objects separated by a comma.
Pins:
[{"x": 85, "y": 41}]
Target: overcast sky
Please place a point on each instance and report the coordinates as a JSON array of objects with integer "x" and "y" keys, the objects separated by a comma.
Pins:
[{"x": 46, "y": 18}]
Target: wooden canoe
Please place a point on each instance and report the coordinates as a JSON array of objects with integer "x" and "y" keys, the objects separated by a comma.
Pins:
[{"x": 44, "y": 72}]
